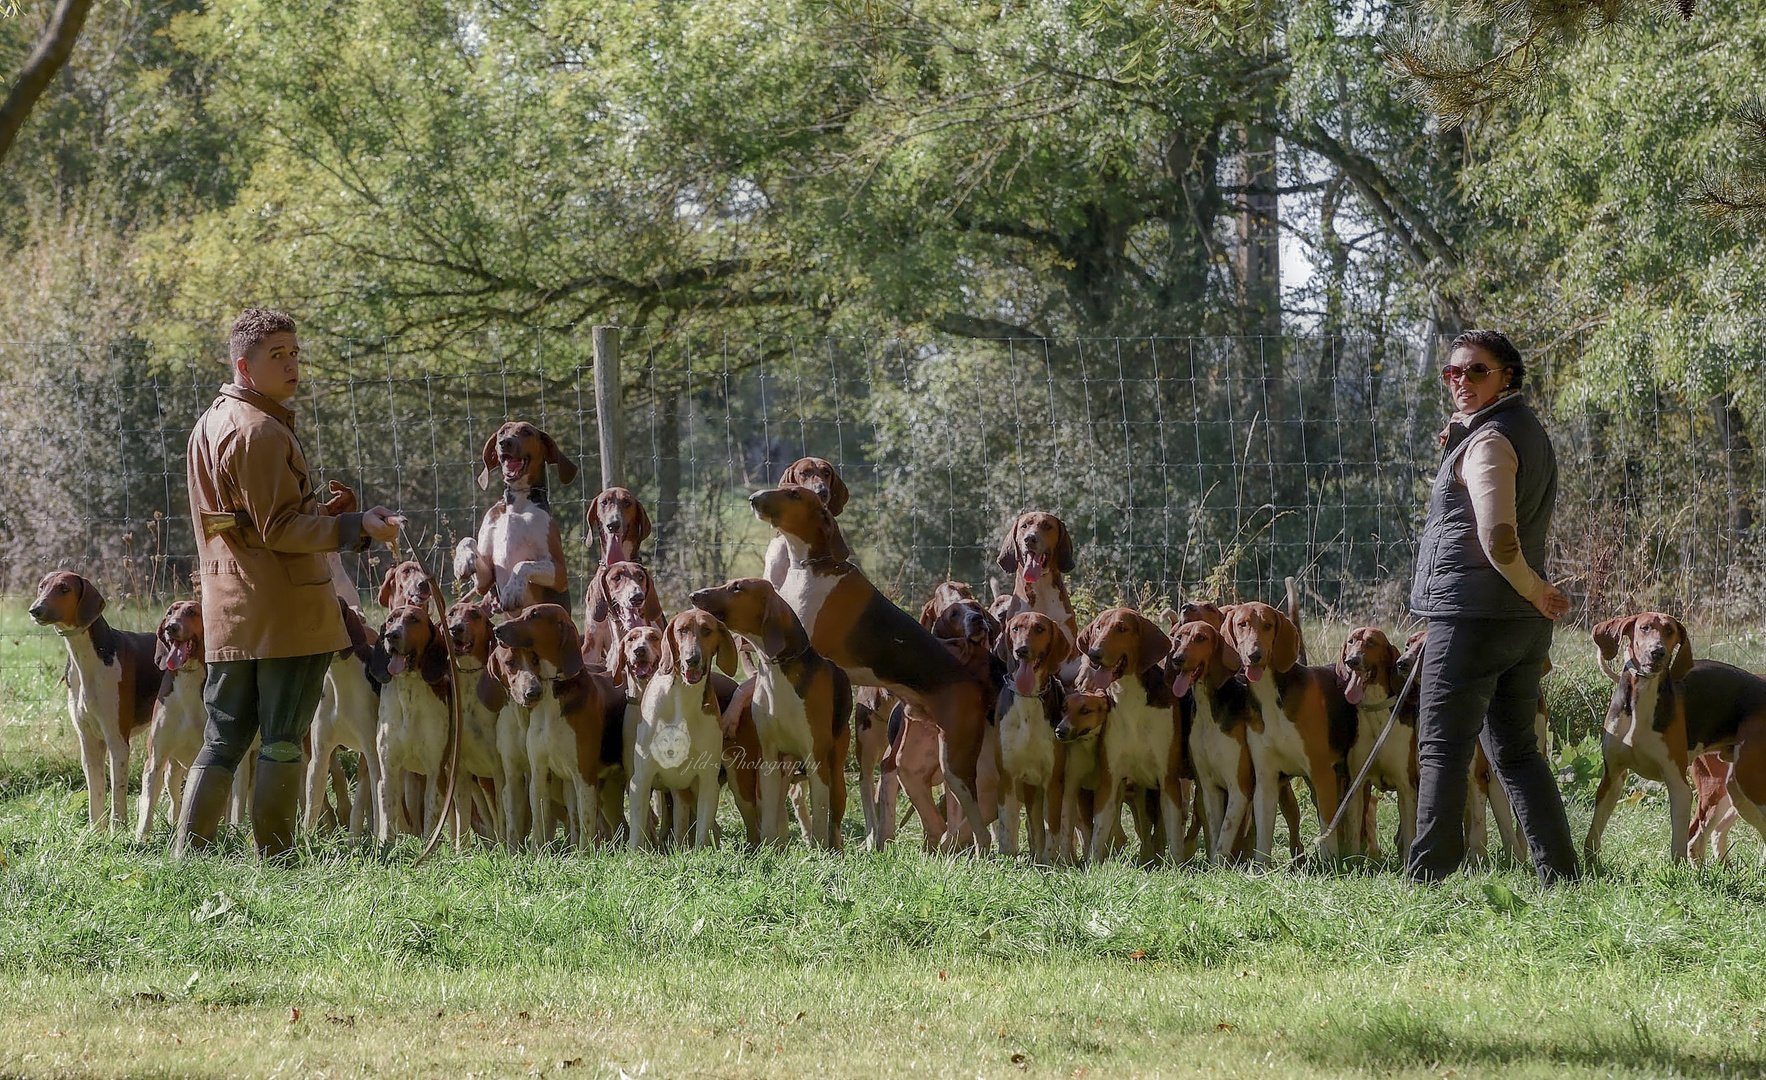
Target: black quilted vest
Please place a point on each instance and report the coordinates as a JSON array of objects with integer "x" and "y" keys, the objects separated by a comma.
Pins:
[{"x": 1454, "y": 579}]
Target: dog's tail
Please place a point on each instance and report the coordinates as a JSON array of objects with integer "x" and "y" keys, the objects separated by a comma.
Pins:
[{"x": 1293, "y": 588}]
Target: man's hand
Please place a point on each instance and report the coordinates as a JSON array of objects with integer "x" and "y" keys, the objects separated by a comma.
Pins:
[
  {"x": 382, "y": 524},
  {"x": 1551, "y": 603},
  {"x": 342, "y": 501}
]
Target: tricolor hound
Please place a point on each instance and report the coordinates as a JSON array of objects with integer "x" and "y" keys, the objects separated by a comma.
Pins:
[{"x": 517, "y": 558}]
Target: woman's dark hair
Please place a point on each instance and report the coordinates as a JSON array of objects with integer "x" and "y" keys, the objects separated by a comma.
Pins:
[{"x": 1497, "y": 344}]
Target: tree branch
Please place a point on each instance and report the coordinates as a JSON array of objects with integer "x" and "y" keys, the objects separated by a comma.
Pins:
[{"x": 46, "y": 59}]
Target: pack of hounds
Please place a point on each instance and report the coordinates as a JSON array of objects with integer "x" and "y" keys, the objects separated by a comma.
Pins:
[{"x": 627, "y": 726}]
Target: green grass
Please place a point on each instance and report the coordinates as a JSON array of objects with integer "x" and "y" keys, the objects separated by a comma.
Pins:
[{"x": 116, "y": 961}]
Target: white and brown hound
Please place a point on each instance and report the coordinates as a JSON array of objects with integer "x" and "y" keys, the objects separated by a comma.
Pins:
[
  {"x": 1143, "y": 743},
  {"x": 801, "y": 707},
  {"x": 112, "y": 685},
  {"x": 1367, "y": 670},
  {"x": 679, "y": 742},
  {"x": 517, "y": 558},
  {"x": 1085, "y": 716},
  {"x": 618, "y": 525},
  {"x": 878, "y": 644},
  {"x": 1307, "y": 726},
  {"x": 621, "y": 596},
  {"x": 348, "y": 717},
  {"x": 1032, "y": 760},
  {"x": 1205, "y": 665},
  {"x": 178, "y": 717},
  {"x": 1038, "y": 552},
  {"x": 410, "y": 662},
  {"x": 820, "y": 476},
  {"x": 481, "y": 762}
]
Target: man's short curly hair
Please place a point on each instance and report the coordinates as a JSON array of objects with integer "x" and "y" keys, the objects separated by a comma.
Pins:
[
  {"x": 253, "y": 326},
  {"x": 1500, "y": 348}
]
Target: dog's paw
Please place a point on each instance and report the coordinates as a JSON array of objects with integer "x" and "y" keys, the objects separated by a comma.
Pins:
[
  {"x": 465, "y": 557},
  {"x": 510, "y": 595}
]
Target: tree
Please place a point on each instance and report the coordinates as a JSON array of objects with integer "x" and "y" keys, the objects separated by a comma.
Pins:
[{"x": 46, "y": 59}]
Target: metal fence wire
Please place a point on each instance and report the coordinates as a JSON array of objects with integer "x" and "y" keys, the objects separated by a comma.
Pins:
[{"x": 1184, "y": 467}]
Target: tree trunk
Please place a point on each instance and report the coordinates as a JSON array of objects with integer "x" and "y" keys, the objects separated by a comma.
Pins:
[{"x": 45, "y": 60}]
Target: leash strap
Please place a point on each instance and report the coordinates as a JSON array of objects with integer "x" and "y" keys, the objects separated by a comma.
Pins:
[{"x": 1368, "y": 765}]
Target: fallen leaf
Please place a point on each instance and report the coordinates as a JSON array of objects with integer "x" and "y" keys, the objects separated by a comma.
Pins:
[
  {"x": 1225, "y": 1026},
  {"x": 293, "y": 1015},
  {"x": 942, "y": 976},
  {"x": 570, "y": 1063},
  {"x": 1138, "y": 954}
]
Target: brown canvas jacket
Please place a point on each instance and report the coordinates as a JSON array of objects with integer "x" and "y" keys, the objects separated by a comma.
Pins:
[{"x": 266, "y": 578}]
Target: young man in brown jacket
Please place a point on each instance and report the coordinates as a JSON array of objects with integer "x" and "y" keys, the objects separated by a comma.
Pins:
[{"x": 270, "y": 616}]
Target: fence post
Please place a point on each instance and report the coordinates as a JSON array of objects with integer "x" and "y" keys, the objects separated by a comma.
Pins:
[{"x": 609, "y": 406}]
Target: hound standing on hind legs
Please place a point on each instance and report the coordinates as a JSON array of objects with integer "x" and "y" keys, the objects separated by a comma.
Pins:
[{"x": 270, "y": 615}]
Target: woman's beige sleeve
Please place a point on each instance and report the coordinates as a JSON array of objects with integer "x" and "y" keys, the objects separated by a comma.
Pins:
[{"x": 1488, "y": 470}]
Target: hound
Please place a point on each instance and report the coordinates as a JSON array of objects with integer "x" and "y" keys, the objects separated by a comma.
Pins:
[
  {"x": 818, "y": 475},
  {"x": 348, "y": 717},
  {"x": 622, "y": 596},
  {"x": 568, "y": 735},
  {"x": 1085, "y": 717},
  {"x": 1666, "y": 710},
  {"x": 481, "y": 762},
  {"x": 410, "y": 662},
  {"x": 878, "y": 644},
  {"x": 1143, "y": 743},
  {"x": 617, "y": 524},
  {"x": 179, "y": 715},
  {"x": 801, "y": 707},
  {"x": 1367, "y": 670},
  {"x": 679, "y": 741},
  {"x": 112, "y": 684},
  {"x": 1716, "y": 810},
  {"x": 405, "y": 584},
  {"x": 1205, "y": 665},
  {"x": 1032, "y": 761},
  {"x": 1308, "y": 725},
  {"x": 1038, "y": 552},
  {"x": 517, "y": 558}
]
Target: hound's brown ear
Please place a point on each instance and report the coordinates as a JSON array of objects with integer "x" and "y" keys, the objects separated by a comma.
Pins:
[
  {"x": 600, "y": 606},
  {"x": 726, "y": 650},
  {"x": 616, "y": 667},
  {"x": 833, "y": 541},
  {"x": 778, "y": 620},
  {"x": 1682, "y": 659},
  {"x": 490, "y": 462},
  {"x": 1607, "y": 635},
  {"x": 491, "y": 693},
  {"x": 837, "y": 493},
  {"x": 927, "y": 614},
  {"x": 91, "y": 603},
  {"x": 387, "y": 592},
  {"x": 1285, "y": 653},
  {"x": 1008, "y": 559},
  {"x": 1087, "y": 639},
  {"x": 1063, "y": 547},
  {"x": 555, "y": 456},
  {"x": 1060, "y": 651},
  {"x": 652, "y": 609},
  {"x": 570, "y": 648},
  {"x": 1229, "y": 656},
  {"x": 1154, "y": 645},
  {"x": 640, "y": 526},
  {"x": 668, "y": 649},
  {"x": 360, "y": 638},
  {"x": 379, "y": 661},
  {"x": 162, "y": 646},
  {"x": 433, "y": 664},
  {"x": 1392, "y": 655}
]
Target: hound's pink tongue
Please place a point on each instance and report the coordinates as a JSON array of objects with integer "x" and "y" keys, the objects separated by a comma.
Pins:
[
  {"x": 1356, "y": 688},
  {"x": 1096, "y": 678},
  {"x": 1254, "y": 672},
  {"x": 179, "y": 653},
  {"x": 1025, "y": 681},
  {"x": 615, "y": 550},
  {"x": 1181, "y": 685},
  {"x": 513, "y": 468},
  {"x": 1033, "y": 569},
  {"x": 395, "y": 665}
]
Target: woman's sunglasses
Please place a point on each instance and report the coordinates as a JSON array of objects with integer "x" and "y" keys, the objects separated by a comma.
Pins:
[{"x": 1472, "y": 373}]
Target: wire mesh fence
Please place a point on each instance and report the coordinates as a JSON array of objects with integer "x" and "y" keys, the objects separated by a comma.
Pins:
[{"x": 1184, "y": 467}]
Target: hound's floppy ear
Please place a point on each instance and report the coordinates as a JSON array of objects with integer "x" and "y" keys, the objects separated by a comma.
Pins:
[
  {"x": 555, "y": 456},
  {"x": 1229, "y": 656},
  {"x": 361, "y": 641},
  {"x": 1607, "y": 635},
  {"x": 91, "y": 603},
  {"x": 600, "y": 605},
  {"x": 837, "y": 493},
  {"x": 640, "y": 526},
  {"x": 386, "y": 594},
  {"x": 726, "y": 650},
  {"x": 433, "y": 664},
  {"x": 1285, "y": 652},
  {"x": 490, "y": 462},
  {"x": 570, "y": 646},
  {"x": 1682, "y": 659},
  {"x": 927, "y": 615},
  {"x": 162, "y": 647},
  {"x": 652, "y": 607},
  {"x": 833, "y": 541},
  {"x": 1063, "y": 547},
  {"x": 1059, "y": 652},
  {"x": 1154, "y": 646},
  {"x": 616, "y": 670},
  {"x": 1087, "y": 639},
  {"x": 778, "y": 619},
  {"x": 668, "y": 649},
  {"x": 1008, "y": 559},
  {"x": 491, "y": 693},
  {"x": 378, "y": 661}
]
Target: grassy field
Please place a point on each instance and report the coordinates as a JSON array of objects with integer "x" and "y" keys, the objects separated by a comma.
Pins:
[{"x": 115, "y": 961}]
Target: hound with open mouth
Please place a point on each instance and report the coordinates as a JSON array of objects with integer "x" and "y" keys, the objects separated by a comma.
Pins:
[
  {"x": 679, "y": 742},
  {"x": 178, "y": 716},
  {"x": 622, "y": 596},
  {"x": 1038, "y": 552},
  {"x": 410, "y": 662},
  {"x": 517, "y": 558}
]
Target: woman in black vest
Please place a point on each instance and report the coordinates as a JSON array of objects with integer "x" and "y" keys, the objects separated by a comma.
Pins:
[{"x": 1478, "y": 583}]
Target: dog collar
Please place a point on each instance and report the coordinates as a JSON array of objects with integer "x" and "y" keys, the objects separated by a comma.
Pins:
[{"x": 536, "y": 495}]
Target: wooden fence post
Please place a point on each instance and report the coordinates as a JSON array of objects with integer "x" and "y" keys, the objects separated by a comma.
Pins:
[{"x": 609, "y": 406}]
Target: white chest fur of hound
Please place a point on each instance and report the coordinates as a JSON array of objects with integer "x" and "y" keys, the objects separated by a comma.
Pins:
[
  {"x": 518, "y": 555},
  {"x": 410, "y": 661},
  {"x": 678, "y": 745},
  {"x": 179, "y": 716}
]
